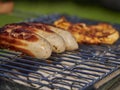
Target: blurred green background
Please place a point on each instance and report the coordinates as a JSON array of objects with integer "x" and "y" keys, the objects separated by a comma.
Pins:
[{"x": 90, "y": 9}]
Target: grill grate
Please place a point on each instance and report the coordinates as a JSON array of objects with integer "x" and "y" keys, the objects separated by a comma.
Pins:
[{"x": 76, "y": 70}]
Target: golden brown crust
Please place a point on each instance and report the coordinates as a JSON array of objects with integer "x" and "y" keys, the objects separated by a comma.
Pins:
[
  {"x": 31, "y": 26},
  {"x": 16, "y": 39},
  {"x": 8, "y": 39},
  {"x": 15, "y": 48},
  {"x": 41, "y": 26},
  {"x": 18, "y": 33},
  {"x": 91, "y": 34}
]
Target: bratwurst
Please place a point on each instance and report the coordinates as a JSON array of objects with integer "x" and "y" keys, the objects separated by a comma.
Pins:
[
  {"x": 25, "y": 41},
  {"x": 57, "y": 43}
]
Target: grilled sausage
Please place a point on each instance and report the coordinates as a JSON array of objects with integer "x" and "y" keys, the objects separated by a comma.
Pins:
[
  {"x": 48, "y": 32},
  {"x": 24, "y": 41},
  {"x": 56, "y": 41},
  {"x": 70, "y": 41}
]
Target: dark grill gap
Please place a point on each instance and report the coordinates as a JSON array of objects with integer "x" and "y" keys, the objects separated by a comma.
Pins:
[{"x": 76, "y": 70}]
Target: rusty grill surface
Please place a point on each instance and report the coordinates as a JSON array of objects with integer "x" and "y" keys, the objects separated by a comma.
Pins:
[{"x": 76, "y": 70}]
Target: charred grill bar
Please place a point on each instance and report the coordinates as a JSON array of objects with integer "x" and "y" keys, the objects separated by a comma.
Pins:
[{"x": 89, "y": 67}]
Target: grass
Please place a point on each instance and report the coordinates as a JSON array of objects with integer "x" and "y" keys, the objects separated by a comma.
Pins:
[{"x": 89, "y": 11}]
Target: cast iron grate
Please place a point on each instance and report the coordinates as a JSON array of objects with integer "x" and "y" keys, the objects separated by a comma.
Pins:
[{"x": 76, "y": 70}]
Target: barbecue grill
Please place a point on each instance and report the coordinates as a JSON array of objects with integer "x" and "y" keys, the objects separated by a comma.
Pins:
[{"x": 87, "y": 68}]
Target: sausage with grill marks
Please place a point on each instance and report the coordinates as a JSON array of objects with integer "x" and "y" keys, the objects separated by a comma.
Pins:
[
  {"x": 70, "y": 42},
  {"x": 25, "y": 41},
  {"x": 56, "y": 41}
]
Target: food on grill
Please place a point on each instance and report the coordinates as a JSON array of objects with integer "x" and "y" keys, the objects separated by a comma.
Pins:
[
  {"x": 24, "y": 41},
  {"x": 56, "y": 41},
  {"x": 36, "y": 39},
  {"x": 70, "y": 41},
  {"x": 91, "y": 34},
  {"x": 64, "y": 38},
  {"x": 53, "y": 38}
]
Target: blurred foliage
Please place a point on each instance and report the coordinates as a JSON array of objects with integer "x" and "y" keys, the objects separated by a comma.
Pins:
[
  {"x": 90, "y": 9},
  {"x": 78, "y": 1}
]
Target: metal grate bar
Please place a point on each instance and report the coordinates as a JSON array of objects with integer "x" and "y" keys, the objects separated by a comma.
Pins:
[
  {"x": 29, "y": 81},
  {"x": 9, "y": 52},
  {"x": 78, "y": 69},
  {"x": 97, "y": 66},
  {"x": 31, "y": 71},
  {"x": 8, "y": 71},
  {"x": 50, "y": 65}
]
